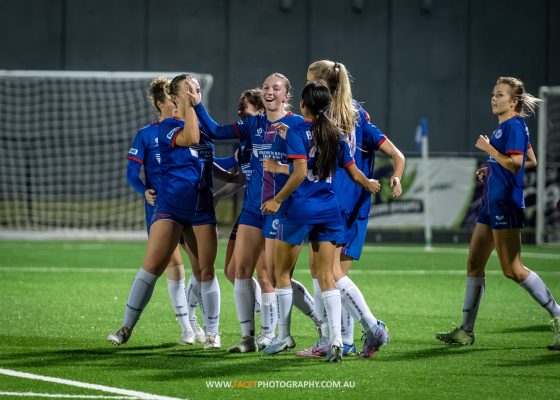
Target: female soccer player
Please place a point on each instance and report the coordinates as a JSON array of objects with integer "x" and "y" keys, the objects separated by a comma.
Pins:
[
  {"x": 311, "y": 210},
  {"x": 256, "y": 229},
  {"x": 145, "y": 152},
  {"x": 364, "y": 138},
  {"x": 500, "y": 216},
  {"x": 183, "y": 207},
  {"x": 250, "y": 104}
]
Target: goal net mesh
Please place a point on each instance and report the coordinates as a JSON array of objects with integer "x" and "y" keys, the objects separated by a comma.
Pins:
[{"x": 64, "y": 137}]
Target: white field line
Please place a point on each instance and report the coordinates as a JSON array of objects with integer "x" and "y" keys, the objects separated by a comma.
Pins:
[
  {"x": 102, "y": 388},
  {"x": 64, "y": 396},
  {"x": 353, "y": 271},
  {"x": 448, "y": 250}
]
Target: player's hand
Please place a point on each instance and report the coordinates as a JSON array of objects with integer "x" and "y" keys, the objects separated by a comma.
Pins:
[
  {"x": 151, "y": 196},
  {"x": 374, "y": 186},
  {"x": 281, "y": 128},
  {"x": 482, "y": 173},
  {"x": 271, "y": 206},
  {"x": 270, "y": 165},
  {"x": 193, "y": 92},
  {"x": 396, "y": 185},
  {"x": 483, "y": 143}
]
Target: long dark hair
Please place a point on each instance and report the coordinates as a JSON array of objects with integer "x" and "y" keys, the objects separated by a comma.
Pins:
[{"x": 316, "y": 98}]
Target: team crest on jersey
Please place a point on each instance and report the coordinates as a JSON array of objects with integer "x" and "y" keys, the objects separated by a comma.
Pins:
[
  {"x": 498, "y": 134},
  {"x": 156, "y": 140},
  {"x": 133, "y": 151},
  {"x": 275, "y": 224},
  {"x": 259, "y": 132}
]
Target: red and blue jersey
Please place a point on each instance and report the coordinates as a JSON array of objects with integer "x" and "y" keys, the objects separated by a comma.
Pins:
[
  {"x": 314, "y": 201},
  {"x": 145, "y": 151},
  {"x": 186, "y": 188},
  {"x": 364, "y": 140},
  {"x": 265, "y": 143},
  {"x": 510, "y": 137}
]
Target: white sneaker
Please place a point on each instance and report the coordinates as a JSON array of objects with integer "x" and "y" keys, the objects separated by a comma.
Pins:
[
  {"x": 187, "y": 338},
  {"x": 278, "y": 345},
  {"x": 199, "y": 334},
  {"x": 263, "y": 341},
  {"x": 334, "y": 352},
  {"x": 213, "y": 341},
  {"x": 247, "y": 344},
  {"x": 121, "y": 336}
]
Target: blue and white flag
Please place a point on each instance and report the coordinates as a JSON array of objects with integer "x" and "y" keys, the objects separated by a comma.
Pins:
[{"x": 421, "y": 131}]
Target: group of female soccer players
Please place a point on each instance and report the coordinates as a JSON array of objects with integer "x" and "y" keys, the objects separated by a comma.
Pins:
[{"x": 306, "y": 176}]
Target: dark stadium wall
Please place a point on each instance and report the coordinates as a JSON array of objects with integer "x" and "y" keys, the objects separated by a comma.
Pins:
[{"x": 409, "y": 58}]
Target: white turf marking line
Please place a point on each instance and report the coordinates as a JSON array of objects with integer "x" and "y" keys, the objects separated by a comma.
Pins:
[
  {"x": 64, "y": 396},
  {"x": 450, "y": 250},
  {"x": 68, "y": 269},
  {"x": 102, "y": 388},
  {"x": 354, "y": 271}
]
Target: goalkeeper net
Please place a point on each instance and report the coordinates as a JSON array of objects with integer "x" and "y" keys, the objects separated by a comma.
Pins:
[
  {"x": 64, "y": 137},
  {"x": 548, "y": 167}
]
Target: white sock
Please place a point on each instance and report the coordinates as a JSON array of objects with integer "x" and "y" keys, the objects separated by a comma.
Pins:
[
  {"x": 331, "y": 299},
  {"x": 210, "y": 295},
  {"x": 243, "y": 291},
  {"x": 193, "y": 298},
  {"x": 473, "y": 297},
  {"x": 347, "y": 326},
  {"x": 538, "y": 290},
  {"x": 303, "y": 301},
  {"x": 176, "y": 290},
  {"x": 258, "y": 295},
  {"x": 320, "y": 309},
  {"x": 269, "y": 314},
  {"x": 139, "y": 296},
  {"x": 285, "y": 300},
  {"x": 355, "y": 303}
]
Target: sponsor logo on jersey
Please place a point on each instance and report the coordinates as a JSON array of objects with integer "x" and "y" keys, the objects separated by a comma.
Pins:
[
  {"x": 499, "y": 217},
  {"x": 133, "y": 151},
  {"x": 498, "y": 134},
  {"x": 172, "y": 132}
]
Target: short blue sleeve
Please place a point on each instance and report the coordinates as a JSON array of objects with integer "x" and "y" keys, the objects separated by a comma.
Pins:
[{"x": 517, "y": 138}]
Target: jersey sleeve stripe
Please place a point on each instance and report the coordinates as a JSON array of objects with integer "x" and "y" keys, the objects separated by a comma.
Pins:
[
  {"x": 135, "y": 159},
  {"x": 236, "y": 131},
  {"x": 349, "y": 164},
  {"x": 514, "y": 152},
  {"x": 175, "y": 138},
  {"x": 381, "y": 142},
  {"x": 298, "y": 156}
]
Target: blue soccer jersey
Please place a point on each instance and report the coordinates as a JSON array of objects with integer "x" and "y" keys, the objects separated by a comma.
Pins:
[
  {"x": 510, "y": 137},
  {"x": 314, "y": 201},
  {"x": 365, "y": 139},
  {"x": 186, "y": 173},
  {"x": 145, "y": 151},
  {"x": 265, "y": 143}
]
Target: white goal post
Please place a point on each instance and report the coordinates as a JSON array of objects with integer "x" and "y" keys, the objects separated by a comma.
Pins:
[
  {"x": 548, "y": 167},
  {"x": 64, "y": 137}
]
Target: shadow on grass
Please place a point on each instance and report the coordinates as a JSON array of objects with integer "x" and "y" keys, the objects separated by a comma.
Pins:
[
  {"x": 522, "y": 329},
  {"x": 434, "y": 351},
  {"x": 163, "y": 362}
]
